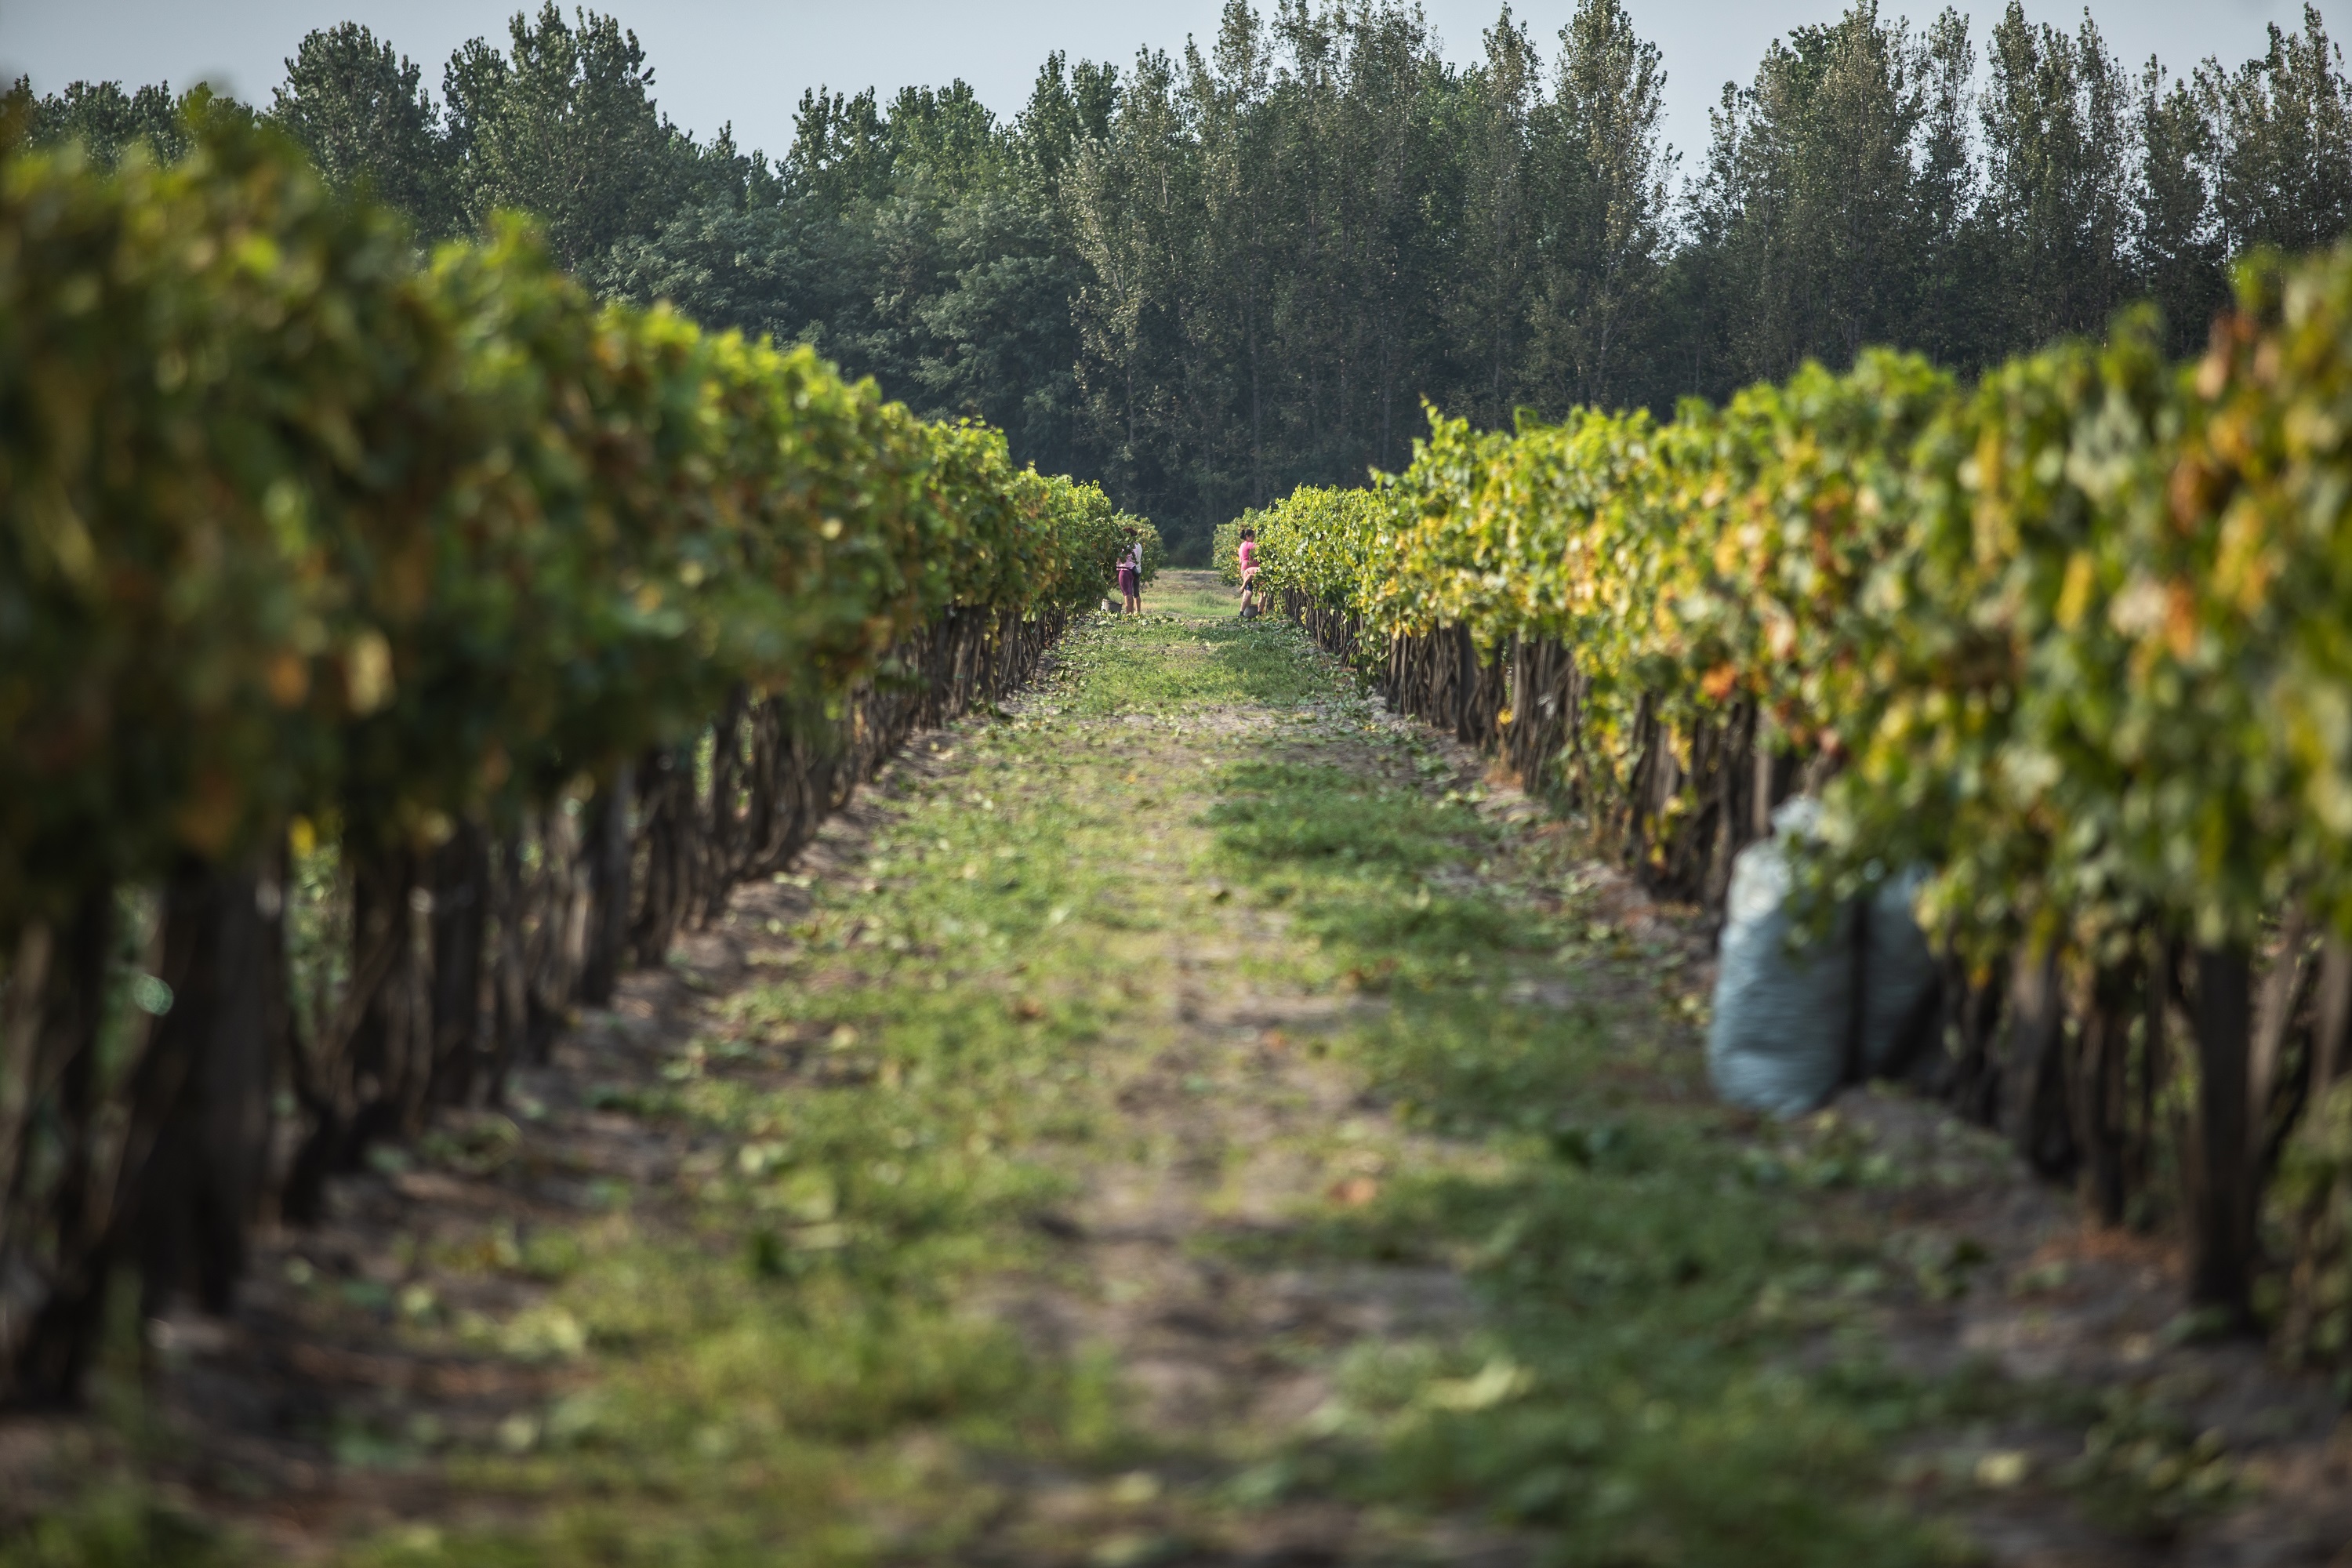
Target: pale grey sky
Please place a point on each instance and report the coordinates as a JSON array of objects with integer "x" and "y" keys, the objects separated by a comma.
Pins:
[{"x": 747, "y": 61}]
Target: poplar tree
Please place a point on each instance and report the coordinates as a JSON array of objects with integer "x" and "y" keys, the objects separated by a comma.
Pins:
[
  {"x": 2281, "y": 154},
  {"x": 104, "y": 119},
  {"x": 563, "y": 125},
  {"x": 361, "y": 109},
  {"x": 1814, "y": 193},
  {"x": 2057, "y": 170},
  {"x": 1601, "y": 175},
  {"x": 2176, "y": 241}
]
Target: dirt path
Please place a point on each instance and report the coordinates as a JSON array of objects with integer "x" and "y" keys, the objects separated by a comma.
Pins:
[{"x": 1189, "y": 1118}]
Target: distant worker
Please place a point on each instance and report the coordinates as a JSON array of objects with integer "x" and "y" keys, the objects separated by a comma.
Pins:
[
  {"x": 1130, "y": 577},
  {"x": 1248, "y": 553}
]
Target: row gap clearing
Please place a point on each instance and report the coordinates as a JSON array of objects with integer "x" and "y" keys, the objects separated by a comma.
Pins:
[{"x": 1193, "y": 1117}]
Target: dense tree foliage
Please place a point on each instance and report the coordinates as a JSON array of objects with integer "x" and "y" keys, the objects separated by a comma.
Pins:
[
  {"x": 361, "y": 109},
  {"x": 1207, "y": 276}
]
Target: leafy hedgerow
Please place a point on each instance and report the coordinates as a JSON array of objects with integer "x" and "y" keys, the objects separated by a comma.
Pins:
[
  {"x": 337, "y": 587},
  {"x": 2069, "y": 640}
]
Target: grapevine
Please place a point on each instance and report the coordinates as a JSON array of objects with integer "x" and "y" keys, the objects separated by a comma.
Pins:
[
  {"x": 550, "y": 619},
  {"x": 2069, "y": 640}
]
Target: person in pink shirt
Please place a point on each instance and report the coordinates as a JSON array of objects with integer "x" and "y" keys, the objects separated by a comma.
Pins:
[{"x": 1248, "y": 553}]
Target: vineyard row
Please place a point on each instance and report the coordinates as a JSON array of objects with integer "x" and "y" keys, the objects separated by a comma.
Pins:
[
  {"x": 2075, "y": 640},
  {"x": 390, "y": 654}
]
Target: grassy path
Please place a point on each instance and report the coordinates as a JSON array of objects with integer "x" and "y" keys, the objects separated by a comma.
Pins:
[
  {"x": 1184, "y": 1130},
  {"x": 1185, "y": 1119}
]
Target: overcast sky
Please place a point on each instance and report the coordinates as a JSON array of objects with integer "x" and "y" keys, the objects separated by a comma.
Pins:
[{"x": 748, "y": 61}]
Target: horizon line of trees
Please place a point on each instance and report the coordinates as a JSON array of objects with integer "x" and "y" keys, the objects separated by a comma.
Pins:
[{"x": 1213, "y": 275}]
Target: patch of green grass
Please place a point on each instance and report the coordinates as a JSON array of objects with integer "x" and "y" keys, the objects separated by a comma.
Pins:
[
  {"x": 1192, "y": 594},
  {"x": 1368, "y": 848},
  {"x": 115, "y": 1525},
  {"x": 1163, "y": 664},
  {"x": 1324, "y": 815},
  {"x": 1634, "y": 1387}
]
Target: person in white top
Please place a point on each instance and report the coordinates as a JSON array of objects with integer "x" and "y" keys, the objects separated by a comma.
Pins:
[{"x": 1130, "y": 577}]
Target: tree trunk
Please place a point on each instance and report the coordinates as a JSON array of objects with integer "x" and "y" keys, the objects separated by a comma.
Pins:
[
  {"x": 510, "y": 965},
  {"x": 203, "y": 1183},
  {"x": 21, "y": 1039},
  {"x": 460, "y": 872},
  {"x": 2034, "y": 1076},
  {"x": 607, "y": 844},
  {"x": 665, "y": 799},
  {"x": 2276, "y": 1006},
  {"x": 2099, "y": 1091},
  {"x": 389, "y": 1051},
  {"x": 2221, "y": 1198},
  {"x": 359, "y": 1049},
  {"x": 59, "y": 1005},
  {"x": 727, "y": 862},
  {"x": 2334, "y": 1015},
  {"x": 142, "y": 1198}
]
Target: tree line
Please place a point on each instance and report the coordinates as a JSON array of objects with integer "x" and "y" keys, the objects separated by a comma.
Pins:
[{"x": 1208, "y": 276}]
